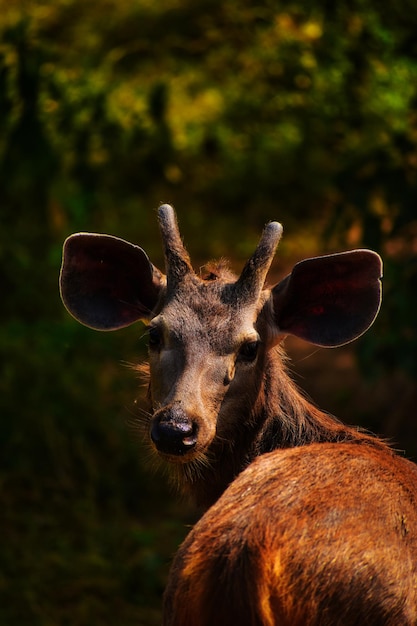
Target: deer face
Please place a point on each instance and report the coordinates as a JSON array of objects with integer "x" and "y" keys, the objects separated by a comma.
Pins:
[{"x": 203, "y": 356}]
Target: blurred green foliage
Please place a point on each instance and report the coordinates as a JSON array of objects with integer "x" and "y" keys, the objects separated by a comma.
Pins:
[{"x": 236, "y": 112}]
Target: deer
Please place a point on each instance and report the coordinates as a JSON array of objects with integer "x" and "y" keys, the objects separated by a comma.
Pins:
[{"x": 306, "y": 521}]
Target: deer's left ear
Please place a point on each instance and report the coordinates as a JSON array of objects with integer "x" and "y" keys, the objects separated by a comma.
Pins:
[
  {"x": 108, "y": 283},
  {"x": 329, "y": 300}
]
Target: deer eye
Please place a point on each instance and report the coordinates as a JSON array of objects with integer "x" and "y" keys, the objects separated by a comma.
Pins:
[
  {"x": 154, "y": 338},
  {"x": 248, "y": 351}
]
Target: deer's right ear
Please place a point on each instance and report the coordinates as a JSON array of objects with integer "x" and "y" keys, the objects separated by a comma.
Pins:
[{"x": 108, "y": 283}]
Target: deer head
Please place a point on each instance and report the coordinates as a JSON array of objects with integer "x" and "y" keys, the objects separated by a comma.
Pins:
[{"x": 211, "y": 337}]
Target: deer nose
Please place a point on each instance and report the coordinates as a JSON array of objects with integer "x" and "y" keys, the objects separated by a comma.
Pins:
[{"x": 173, "y": 432}]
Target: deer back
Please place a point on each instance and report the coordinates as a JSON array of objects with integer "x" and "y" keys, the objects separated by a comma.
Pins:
[{"x": 320, "y": 535}]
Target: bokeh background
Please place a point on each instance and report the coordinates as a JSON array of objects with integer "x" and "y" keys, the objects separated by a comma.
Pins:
[{"x": 237, "y": 113}]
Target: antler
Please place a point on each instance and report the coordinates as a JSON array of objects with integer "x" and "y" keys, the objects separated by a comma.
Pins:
[
  {"x": 252, "y": 278},
  {"x": 178, "y": 264}
]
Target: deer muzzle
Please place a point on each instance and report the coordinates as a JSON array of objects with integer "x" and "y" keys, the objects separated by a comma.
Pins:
[{"x": 173, "y": 432}]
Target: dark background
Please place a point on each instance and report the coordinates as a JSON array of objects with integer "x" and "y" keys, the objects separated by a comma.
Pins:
[{"x": 237, "y": 113}]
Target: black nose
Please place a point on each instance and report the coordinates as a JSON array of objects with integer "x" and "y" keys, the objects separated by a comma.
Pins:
[{"x": 173, "y": 432}]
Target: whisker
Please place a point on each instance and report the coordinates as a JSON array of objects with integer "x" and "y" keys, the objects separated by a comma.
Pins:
[
  {"x": 307, "y": 356},
  {"x": 140, "y": 308}
]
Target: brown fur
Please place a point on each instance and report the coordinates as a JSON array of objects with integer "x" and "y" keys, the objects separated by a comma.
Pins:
[{"x": 322, "y": 535}]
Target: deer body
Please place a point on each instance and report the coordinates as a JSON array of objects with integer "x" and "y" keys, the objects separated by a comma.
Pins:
[{"x": 309, "y": 521}]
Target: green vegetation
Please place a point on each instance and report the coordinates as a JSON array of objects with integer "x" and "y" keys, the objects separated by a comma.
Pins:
[{"x": 237, "y": 113}]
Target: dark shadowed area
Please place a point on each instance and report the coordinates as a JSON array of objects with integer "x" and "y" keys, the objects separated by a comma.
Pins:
[{"x": 236, "y": 113}]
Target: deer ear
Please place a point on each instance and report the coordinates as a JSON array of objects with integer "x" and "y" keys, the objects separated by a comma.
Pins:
[
  {"x": 107, "y": 283},
  {"x": 329, "y": 300}
]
